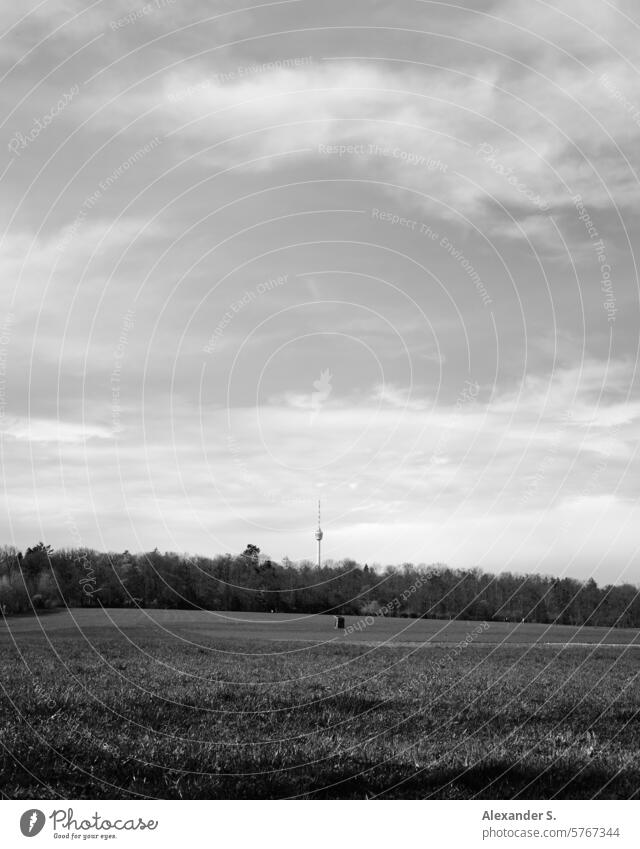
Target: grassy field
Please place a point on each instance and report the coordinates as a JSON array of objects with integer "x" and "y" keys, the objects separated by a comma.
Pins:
[{"x": 171, "y": 704}]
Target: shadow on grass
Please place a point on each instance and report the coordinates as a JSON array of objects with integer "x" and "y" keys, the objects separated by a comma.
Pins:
[{"x": 351, "y": 780}]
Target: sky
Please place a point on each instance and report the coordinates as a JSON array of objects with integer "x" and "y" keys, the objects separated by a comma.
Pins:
[{"x": 377, "y": 253}]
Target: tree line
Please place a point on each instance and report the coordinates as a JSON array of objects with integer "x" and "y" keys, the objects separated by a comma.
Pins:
[{"x": 42, "y": 578}]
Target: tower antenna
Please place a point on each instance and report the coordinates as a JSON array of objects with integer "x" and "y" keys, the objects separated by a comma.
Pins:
[{"x": 319, "y": 536}]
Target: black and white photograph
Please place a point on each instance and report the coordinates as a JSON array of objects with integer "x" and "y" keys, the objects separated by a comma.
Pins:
[{"x": 319, "y": 415}]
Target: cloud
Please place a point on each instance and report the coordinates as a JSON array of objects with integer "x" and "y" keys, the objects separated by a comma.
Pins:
[
  {"x": 468, "y": 140},
  {"x": 51, "y": 431}
]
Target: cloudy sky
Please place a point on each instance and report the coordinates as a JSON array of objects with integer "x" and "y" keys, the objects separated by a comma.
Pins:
[{"x": 375, "y": 252}]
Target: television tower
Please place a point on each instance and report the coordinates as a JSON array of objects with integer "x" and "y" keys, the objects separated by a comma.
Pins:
[{"x": 319, "y": 536}]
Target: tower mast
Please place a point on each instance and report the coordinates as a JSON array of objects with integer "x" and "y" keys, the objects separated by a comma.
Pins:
[{"x": 319, "y": 536}]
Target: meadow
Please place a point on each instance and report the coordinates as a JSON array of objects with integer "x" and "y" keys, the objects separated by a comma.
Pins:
[{"x": 190, "y": 704}]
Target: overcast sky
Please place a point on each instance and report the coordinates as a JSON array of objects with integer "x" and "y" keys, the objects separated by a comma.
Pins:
[{"x": 379, "y": 253}]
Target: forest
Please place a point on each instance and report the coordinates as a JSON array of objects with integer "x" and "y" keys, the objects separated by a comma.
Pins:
[{"x": 42, "y": 578}]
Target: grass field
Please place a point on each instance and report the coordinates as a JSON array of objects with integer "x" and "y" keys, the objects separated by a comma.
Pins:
[{"x": 180, "y": 704}]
